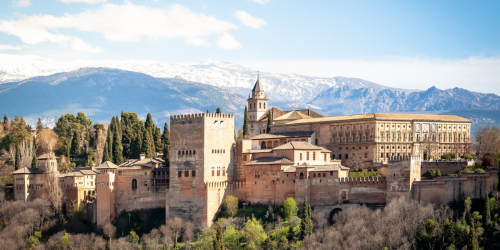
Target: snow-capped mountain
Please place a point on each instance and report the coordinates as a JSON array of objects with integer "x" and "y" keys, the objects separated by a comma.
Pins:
[{"x": 292, "y": 89}]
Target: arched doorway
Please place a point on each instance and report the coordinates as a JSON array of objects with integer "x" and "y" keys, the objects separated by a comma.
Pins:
[{"x": 263, "y": 145}]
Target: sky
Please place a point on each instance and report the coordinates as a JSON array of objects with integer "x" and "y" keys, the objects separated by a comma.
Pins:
[{"x": 405, "y": 44}]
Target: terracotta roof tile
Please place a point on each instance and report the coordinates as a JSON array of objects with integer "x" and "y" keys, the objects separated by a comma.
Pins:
[
  {"x": 106, "y": 165},
  {"x": 381, "y": 116},
  {"x": 270, "y": 160},
  {"x": 299, "y": 145},
  {"x": 278, "y": 135}
]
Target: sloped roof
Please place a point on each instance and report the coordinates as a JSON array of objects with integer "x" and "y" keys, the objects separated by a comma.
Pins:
[
  {"x": 331, "y": 167},
  {"x": 88, "y": 172},
  {"x": 257, "y": 87},
  {"x": 276, "y": 113},
  {"x": 290, "y": 169},
  {"x": 300, "y": 145},
  {"x": 292, "y": 115},
  {"x": 136, "y": 162},
  {"x": 106, "y": 165},
  {"x": 381, "y": 116},
  {"x": 253, "y": 151},
  {"x": 305, "y": 165},
  {"x": 278, "y": 135},
  {"x": 270, "y": 160},
  {"x": 47, "y": 156},
  {"x": 27, "y": 171}
]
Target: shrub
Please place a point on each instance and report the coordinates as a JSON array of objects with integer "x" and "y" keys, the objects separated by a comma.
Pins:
[
  {"x": 487, "y": 161},
  {"x": 479, "y": 171},
  {"x": 431, "y": 173},
  {"x": 467, "y": 156},
  {"x": 290, "y": 208},
  {"x": 452, "y": 175}
]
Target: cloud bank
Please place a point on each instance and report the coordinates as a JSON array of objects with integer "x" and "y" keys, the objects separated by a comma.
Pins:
[
  {"x": 127, "y": 22},
  {"x": 249, "y": 20}
]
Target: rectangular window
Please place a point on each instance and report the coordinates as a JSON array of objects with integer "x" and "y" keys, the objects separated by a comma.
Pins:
[
  {"x": 244, "y": 158},
  {"x": 301, "y": 156},
  {"x": 366, "y": 155},
  {"x": 307, "y": 156},
  {"x": 257, "y": 175},
  {"x": 314, "y": 156},
  {"x": 331, "y": 173},
  {"x": 346, "y": 156},
  {"x": 340, "y": 157},
  {"x": 179, "y": 174},
  {"x": 316, "y": 142},
  {"x": 218, "y": 172},
  {"x": 186, "y": 173},
  {"x": 193, "y": 173},
  {"x": 213, "y": 172},
  {"x": 223, "y": 172}
]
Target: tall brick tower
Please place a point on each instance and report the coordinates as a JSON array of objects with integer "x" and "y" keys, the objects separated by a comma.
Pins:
[
  {"x": 201, "y": 164},
  {"x": 257, "y": 103}
]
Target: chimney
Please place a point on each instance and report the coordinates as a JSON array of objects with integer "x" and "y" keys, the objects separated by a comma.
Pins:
[{"x": 142, "y": 156}]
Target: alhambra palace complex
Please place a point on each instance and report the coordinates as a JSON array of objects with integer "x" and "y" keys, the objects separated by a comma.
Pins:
[{"x": 303, "y": 156}]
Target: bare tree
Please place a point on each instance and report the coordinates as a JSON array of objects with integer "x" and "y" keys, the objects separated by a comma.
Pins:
[
  {"x": 429, "y": 147},
  {"x": 53, "y": 191},
  {"x": 354, "y": 161},
  {"x": 188, "y": 234},
  {"x": 176, "y": 226},
  {"x": 487, "y": 139},
  {"x": 46, "y": 141},
  {"x": 109, "y": 231}
]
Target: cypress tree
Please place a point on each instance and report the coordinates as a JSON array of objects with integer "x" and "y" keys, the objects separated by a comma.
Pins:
[
  {"x": 218, "y": 111},
  {"x": 75, "y": 144},
  {"x": 166, "y": 155},
  {"x": 245, "y": 122},
  {"x": 117, "y": 153},
  {"x": 165, "y": 137},
  {"x": 473, "y": 243},
  {"x": 149, "y": 125},
  {"x": 208, "y": 112},
  {"x": 34, "y": 162},
  {"x": 306, "y": 222},
  {"x": 269, "y": 122},
  {"x": 487, "y": 211},
  {"x": 218, "y": 241},
  {"x": 157, "y": 139},
  {"x": 107, "y": 156},
  {"x": 18, "y": 157},
  {"x": 39, "y": 125},
  {"x": 148, "y": 146},
  {"x": 6, "y": 122}
]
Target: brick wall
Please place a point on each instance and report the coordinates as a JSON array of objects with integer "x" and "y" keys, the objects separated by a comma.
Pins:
[{"x": 445, "y": 168}]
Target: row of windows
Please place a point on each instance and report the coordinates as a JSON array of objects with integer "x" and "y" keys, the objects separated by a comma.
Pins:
[
  {"x": 186, "y": 173},
  {"x": 260, "y": 105},
  {"x": 132, "y": 172},
  {"x": 353, "y": 127},
  {"x": 219, "y": 172},
  {"x": 218, "y": 151},
  {"x": 319, "y": 174},
  {"x": 30, "y": 187},
  {"x": 399, "y": 126},
  {"x": 354, "y": 138},
  {"x": 109, "y": 183},
  {"x": 187, "y": 152},
  {"x": 387, "y": 155},
  {"x": 346, "y": 156},
  {"x": 394, "y": 147},
  {"x": 347, "y": 148}
]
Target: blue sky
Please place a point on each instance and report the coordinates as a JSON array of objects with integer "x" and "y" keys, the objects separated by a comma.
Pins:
[{"x": 408, "y": 44}]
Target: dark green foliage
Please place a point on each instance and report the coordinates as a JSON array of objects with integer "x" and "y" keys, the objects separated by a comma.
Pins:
[
  {"x": 39, "y": 125},
  {"x": 269, "y": 122},
  {"x": 149, "y": 124},
  {"x": 473, "y": 243},
  {"x": 166, "y": 155},
  {"x": 218, "y": 111},
  {"x": 117, "y": 150},
  {"x": 157, "y": 140},
  {"x": 18, "y": 157},
  {"x": 448, "y": 156},
  {"x": 6, "y": 122},
  {"x": 107, "y": 154},
  {"x": 208, "y": 112},
  {"x": 487, "y": 211},
  {"x": 432, "y": 173},
  {"x": 218, "y": 240},
  {"x": 130, "y": 127},
  {"x": 75, "y": 145},
  {"x": 306, "y": 222},
  {"x": 148, "y": 146},
  {"x": 135, "y": 147},
  {"x": 245, "y": 122},
  {"x": 165, "y": 137}
]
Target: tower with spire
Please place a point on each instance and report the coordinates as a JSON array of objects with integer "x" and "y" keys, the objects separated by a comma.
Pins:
[{"x": 257, "y": 102}]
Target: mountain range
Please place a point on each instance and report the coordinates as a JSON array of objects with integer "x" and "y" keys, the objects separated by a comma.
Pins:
[{"x": 35, "y": 87}]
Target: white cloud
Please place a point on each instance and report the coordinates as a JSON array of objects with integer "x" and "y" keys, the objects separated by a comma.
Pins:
[
  {"x": 475, "y": 73},
  {"x": 261, "y": 1},
  {"x": 127, "y": 22},
  {"x": 22, "y": 3},
  {"x": 227, "y": 41},
  {"x": 249, "y": 20},
  {"x": 197, "y": 41},
  {"x": 10, "y": 47},
  {"x": 83, "y": 1}
]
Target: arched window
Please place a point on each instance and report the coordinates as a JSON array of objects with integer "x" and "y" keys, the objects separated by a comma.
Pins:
[
  {"x": 189, "y": 151},
  {"x": 212, "y": 151},
  {"x": 194, "y": 152},
  {"x": 324, "y": 175},
  {"x": 264, "y": 105},
  {"x": 314, "y": 175},
  {"x": 260, "y": 105},
  {"x": 179, "y": 152},
  {"x": 134, "y": 184},
  {"x": 182, "y": 152},
  {"x": 263, "y": 145}
]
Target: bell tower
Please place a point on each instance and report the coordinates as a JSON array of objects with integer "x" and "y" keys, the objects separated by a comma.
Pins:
[{"x": 257, "y": 103}]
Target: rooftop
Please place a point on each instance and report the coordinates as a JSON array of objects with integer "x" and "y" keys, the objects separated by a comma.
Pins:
[
  {"x": 270, "y": 160},
  {"x": 300, "y": 145},
  {"x": 279, "y": 135},
  {"x": 27, "y": 171},
  {"x": 47, "y": 156},
  {"x": 106, "y": 165},
  {"x": 381, "y": 116}
]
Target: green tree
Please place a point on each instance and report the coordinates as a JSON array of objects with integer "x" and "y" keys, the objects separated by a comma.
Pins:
[
  {"x": 149, "y": 125},
  {"x": 34, "y": 162},
  {"x": 117, "y": 150},
  {"x": 18, "y": 157},
  {"x": 218, "y": 111},
  {"x": 75, "y": 145},
  {"x": 449, "y": 232},
  {"x": 473, "y": 243},
  {"x": 232, "y": 238},
  {"x": 34, "y": 240},
  {"x": 254, "y": 234},
  {"x": 269, "y": 122},
  {"x": 289, "y": 208},
  {"x": 487, "y": 211},
  {"x": 306, "y": 222},
  {"x": 231, "y": 204},
  {"x": 39, "y": 125},
  {"x": 133, "y": 237},
  {"x": 165, "y": 137},
  {"x": 6, "y": 122},
  {"x": 219, "y": 239},
  {"x": 148, "y": 146},
  {"x": 166, "y": 155},
  {"x": 107, "y": 154},
  {"x": 245, "y": 122},
  {"x": 157, "y": 139}
]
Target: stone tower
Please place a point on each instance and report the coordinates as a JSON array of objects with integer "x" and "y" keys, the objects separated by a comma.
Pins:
[
  {"x": 257, "y": 103},
  {"x": 201, "y": 164}
]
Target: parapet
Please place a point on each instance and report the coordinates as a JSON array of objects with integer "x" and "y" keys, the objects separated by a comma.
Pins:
[
  {"x": 349, "y": 180},
  {"x": 177, "y": 118},
  {"x": 404, "y": 158}
]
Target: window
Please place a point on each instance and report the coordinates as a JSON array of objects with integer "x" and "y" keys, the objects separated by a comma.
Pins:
[
  {"x": 325, "y": 157},
  {"x": 213, "y": 172},
  {"x": 134, "y": 184},
  {"x": 223, "y": 172},
  {"x": 331, "y": 173},
  {"x": 244, "y": 158},
  {"x": 179, "y": 174},
  {"x": 324, "y": 174},
  {"x": 301, "y": 156},
  {"x": 218, "y": 172},
  {"x": 366, "y": 155},
  {"x": 314, "y": 156},
  {"x": 307, "y": 156},
  {"x": 257, "y": 175},
  {"x": 346, "y": 156},
  {"x": 340, "y": 157},
  {"x": 186, "y": 173}
]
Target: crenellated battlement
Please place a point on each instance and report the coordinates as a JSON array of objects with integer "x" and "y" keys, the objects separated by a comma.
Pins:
[
  {"x": 187, "y": 117},
  {"x": 350, "y": 180}
]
